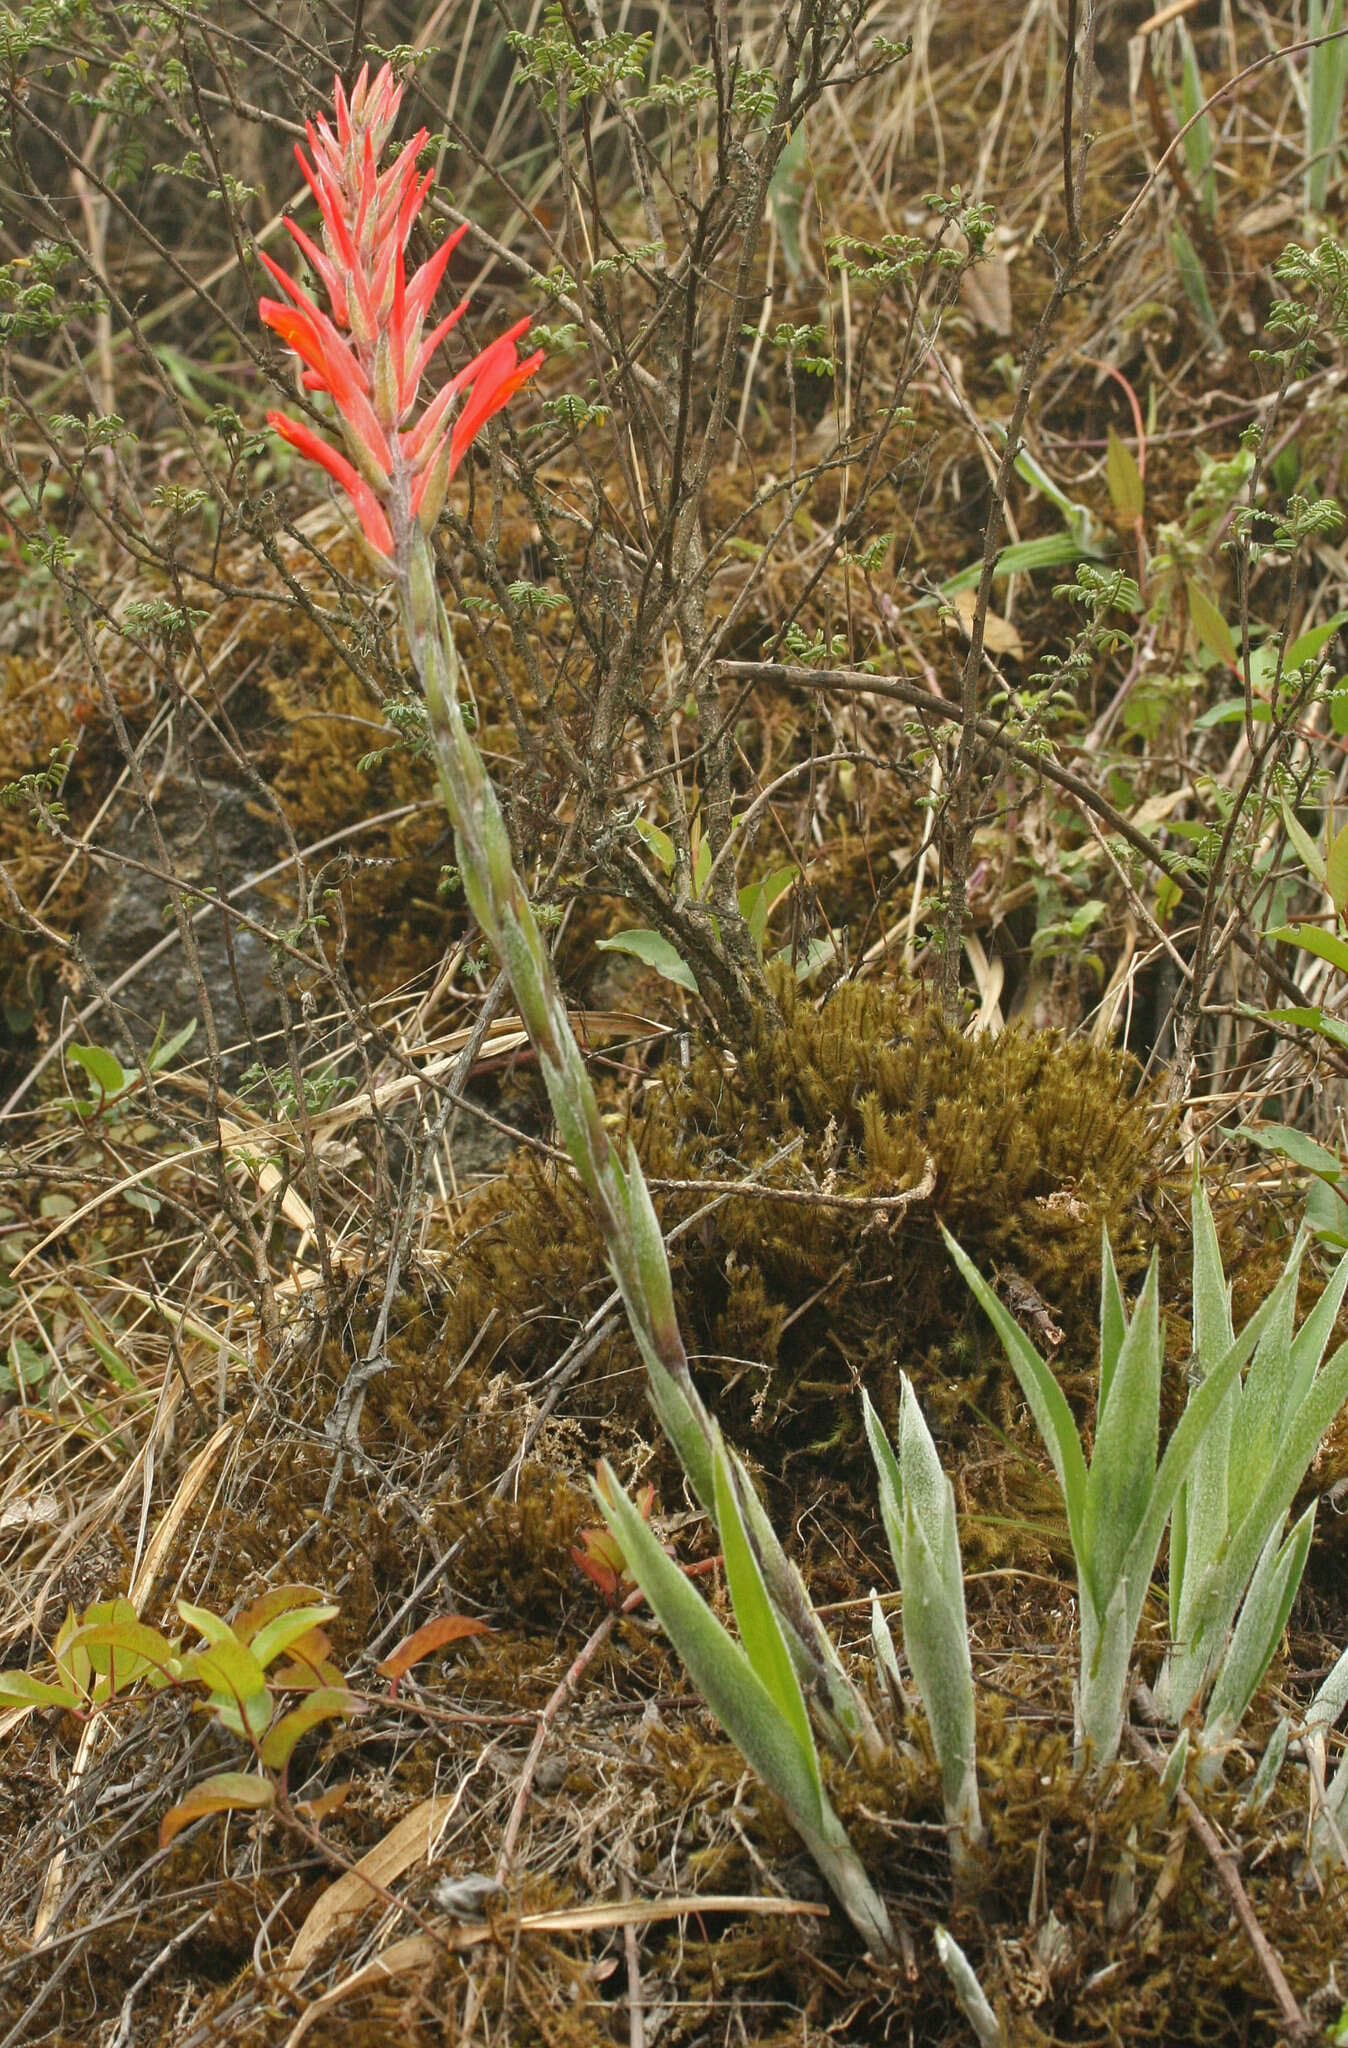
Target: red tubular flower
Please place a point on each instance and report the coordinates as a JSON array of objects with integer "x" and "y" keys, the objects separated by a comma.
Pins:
[
  {"x": 369, "y": 352},
  {"x": 373, "y": 518}
]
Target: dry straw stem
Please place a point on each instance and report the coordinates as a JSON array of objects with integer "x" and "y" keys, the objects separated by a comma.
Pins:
[{"x": 420, "y": 1952}]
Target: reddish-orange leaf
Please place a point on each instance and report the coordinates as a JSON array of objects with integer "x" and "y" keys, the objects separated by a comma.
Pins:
[
  {"x": 432, "y": 1635},
  {"x": 230, "y": 1792}
]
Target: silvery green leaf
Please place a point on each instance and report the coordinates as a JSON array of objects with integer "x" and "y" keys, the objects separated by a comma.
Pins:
[
  {"x": 1213, "y": 1332},
  {"x": 886, "y": 1662},
  {"x": 571, "y": 1123},
  {"x": 718, "y": 1666},
  {"x": 1205, "y": 1615},
  {"x": 1187, "y": 1438},
  {"x": 1308, "y": 1348},
  {"x": 760, "y": 1632},
  {"x": 1270, "y": 1764},
  {"x": 680, "y": 1413},
  {"x": 1123, "y": 1467},
  {"x": 1263, "y": 1617},
  {"x": 918, "y": 1507},
  {"x": 926, "y": 1489},
  {"x": 1302, "y": 1436},
  {"x": 747, "y": 1710},
  {"x": 648, "y": 1243},
  {"x": 1102, "y": 1683},
  {"x": 1214, "y": 1579},
  {"x": 1202, "y": 1519},
  {"x": 1331, "y": 1699},
  {"x": 1207, "y": 1527},
  {"x": 1172, "y": 1777},
  {"x": 889, "y": 1481},
  {"x": 843, "y": 1718},
  {"x": 935, "y": 1638},
  {"x": 1121, "y": 1905},
  {"x": 1048, "y": 1403},
  {"x": 523, "y": 959},
  {"x": 1329, "y": 1821},
  {"x": 1178, "y": 1573},
  {"x": 970, "y": 1993},
  {"x": 1113, "y": 1318},
  {"x": 1265, "y": 1398}
]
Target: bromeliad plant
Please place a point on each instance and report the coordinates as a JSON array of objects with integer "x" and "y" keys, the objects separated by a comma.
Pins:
[
  {"x": 1226, "y": 1537},
  {"x": 1224, "y": 1483},
  {"x": 369, "y": 354}
]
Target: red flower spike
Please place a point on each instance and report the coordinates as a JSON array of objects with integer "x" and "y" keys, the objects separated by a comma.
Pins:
[
  {"x": 318, "y": 344},
  {"x": 426, "y": 282},
  {"x": 484, "y": 404},
  {"x": 339, "y": 101},
  {"x": 416, "y": 442},
  {"x": 368, "y": 188},
  {"x": 333, "y": 221},
  {"x": 369, "y": 353}
]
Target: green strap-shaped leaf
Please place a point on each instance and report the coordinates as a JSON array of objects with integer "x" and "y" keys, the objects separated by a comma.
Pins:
[
  {"x": 760, "y": 1631},
  {"x": 1123, "y": 1465},
  {"x": 1048, "y": 1403},
  {"x": 717, "y": 1665}
]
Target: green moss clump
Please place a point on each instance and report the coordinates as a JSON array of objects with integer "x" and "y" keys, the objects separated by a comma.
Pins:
[{"x": 790, "y": 1308}]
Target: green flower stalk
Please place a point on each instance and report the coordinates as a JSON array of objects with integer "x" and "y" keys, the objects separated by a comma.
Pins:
[{"x": 368, "y": 354}]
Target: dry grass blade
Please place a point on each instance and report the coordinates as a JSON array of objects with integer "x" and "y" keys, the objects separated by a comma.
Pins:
[
  {"x": 413, "y": 1840},
  {"x": 421, "y": 1951}
]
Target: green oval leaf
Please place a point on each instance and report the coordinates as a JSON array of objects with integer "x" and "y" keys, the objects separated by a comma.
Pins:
[
  {"x": 656, "y": 952},
  {"x": 1210, "y": 626},
  {"x": 327, "y": 1704},
  {"x": 103, "y": 1068}
]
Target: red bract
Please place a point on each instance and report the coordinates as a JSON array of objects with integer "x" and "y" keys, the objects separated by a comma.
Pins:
[{"x": 369, "y": 353}]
